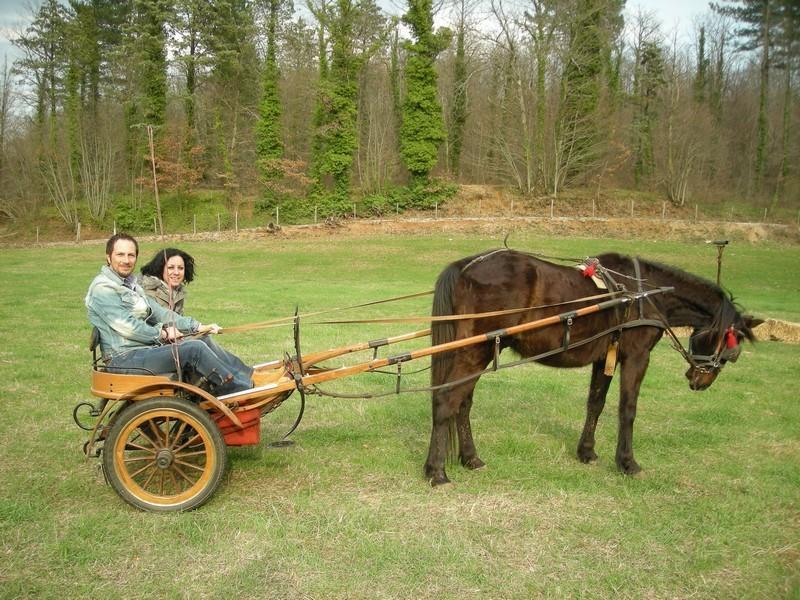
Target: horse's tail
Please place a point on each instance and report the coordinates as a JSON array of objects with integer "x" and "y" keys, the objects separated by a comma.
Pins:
[{"x": 442, "y": 332}]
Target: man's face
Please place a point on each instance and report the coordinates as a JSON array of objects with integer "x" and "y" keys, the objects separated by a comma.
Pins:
[{"x": 122, "y": 259}]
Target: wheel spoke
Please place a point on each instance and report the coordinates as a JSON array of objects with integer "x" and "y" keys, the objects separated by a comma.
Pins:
[
  {"x": 178, "y": 433},
  {"x": 175, "y": 485},
  {"x": 184, "y": 475},
  {"x": 187, "y": 442},
  {"x": 166, "y": 432},
  {"x": 144, "y": 468},
  {"x": 147, "y": 481},
  {"x": 187, "y": 454},
  {"x": 137, "y": 459},
  {"x": 147, "y": 437},
  {"x": 157, "y": 433},
  {"x": 132, "y": 446},
  {"x": 200, "y": 468}
]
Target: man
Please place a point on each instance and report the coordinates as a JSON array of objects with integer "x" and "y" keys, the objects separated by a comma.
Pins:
[{"x": 139, "y": 335}]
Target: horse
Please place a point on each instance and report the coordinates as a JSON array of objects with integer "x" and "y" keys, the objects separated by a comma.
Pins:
[{"x": 504, "y": 279}]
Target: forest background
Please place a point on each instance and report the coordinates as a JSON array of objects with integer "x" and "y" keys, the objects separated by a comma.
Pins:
[{"x": 114, "y": 108}]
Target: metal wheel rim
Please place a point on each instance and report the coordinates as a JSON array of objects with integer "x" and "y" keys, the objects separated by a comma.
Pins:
[{"x": 150, "y": 437}]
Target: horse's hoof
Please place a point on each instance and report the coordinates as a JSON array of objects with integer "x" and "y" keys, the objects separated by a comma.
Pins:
[
  {"x": 439, "y": 481},
  {"x": 474, "y": 463},
  {"x": 630, "y": 468},
  {"x": 587, "y": 457}
]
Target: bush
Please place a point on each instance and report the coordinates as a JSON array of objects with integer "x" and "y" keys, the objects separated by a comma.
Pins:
[{"x": 131, "y": 218}]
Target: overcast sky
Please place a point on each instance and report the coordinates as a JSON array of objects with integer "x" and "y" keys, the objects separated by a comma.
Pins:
[{"x": 673, "y": 14}]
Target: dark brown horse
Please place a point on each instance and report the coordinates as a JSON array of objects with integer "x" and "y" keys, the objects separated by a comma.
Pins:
[{"x": 506, "y": 279}]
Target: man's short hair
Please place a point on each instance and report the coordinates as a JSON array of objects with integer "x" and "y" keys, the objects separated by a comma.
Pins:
[{"x": 120, "y": 236}]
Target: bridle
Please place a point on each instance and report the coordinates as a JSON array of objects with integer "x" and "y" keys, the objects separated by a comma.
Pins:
[{"x": 727, "y": 349}]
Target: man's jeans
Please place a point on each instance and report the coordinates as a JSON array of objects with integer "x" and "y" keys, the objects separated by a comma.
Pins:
[{"x": 226, "y": 372}]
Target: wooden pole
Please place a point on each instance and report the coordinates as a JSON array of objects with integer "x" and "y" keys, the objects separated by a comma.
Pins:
[
  {"x": 631, "y": 207},
  {"x": 219, "y": 224},
  {"x": 552, "y": 203},
  {"x": 78, "y": 232},
  {"x": 37, "y": 235},
  {"x": 594, "y": 208},
  {"x": 115, "y": 227},
  {"x": 278, "y": 216},
  {"x": 379, "y": 363},
  {"x": 436, "y": 211},
  {"x": 663, "y": 210},
  {"x": 315, "y": 214}
]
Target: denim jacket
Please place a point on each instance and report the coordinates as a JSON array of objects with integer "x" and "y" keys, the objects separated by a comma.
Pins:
[{"x": 127, "y": 318}]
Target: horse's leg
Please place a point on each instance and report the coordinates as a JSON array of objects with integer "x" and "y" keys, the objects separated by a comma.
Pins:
[
  {"x": 454, "y": 402},
  {"x": 598, "y": 388},
  {"x": 437, "y": 451},
  {"x": 632, "y": 373},
  {"x": 466, "y": 445}
]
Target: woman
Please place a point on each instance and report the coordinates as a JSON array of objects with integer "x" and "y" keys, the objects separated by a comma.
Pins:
[{"x": 164, "y": 278}]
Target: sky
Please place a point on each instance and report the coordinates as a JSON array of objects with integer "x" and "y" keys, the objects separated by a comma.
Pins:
[{"x": 673, "y": 14}]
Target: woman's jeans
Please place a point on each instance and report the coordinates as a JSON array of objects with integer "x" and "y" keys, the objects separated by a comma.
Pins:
[{"x": 223, "y": 370}]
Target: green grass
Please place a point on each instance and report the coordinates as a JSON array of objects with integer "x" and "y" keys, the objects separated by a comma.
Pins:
[{"x": 346, "y": 513}]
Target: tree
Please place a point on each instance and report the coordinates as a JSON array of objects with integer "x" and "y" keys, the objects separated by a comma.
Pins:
[
  {"x": 458, "y": 109},
  {"x": 755, "y": 33},
  {"x": 42, "y": 66},
  {"x": 355, "y": 31},
  {"x": 701, "y": 76},
  {"x": 269, "y": 145},
  {"x": 422, "y": 130},
  {"x": 650, "y": 80}
]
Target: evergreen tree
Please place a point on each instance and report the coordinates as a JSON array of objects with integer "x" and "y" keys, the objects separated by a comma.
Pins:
[
  {"x": 580, "y": 88},
  {"x": 269, "y": 145},
  {"x": 43, "y": 66},
  {"x": 701, "y": 75},
  {"x": 458, "y": 111},
  {"x": 355, "y": 31},
  {"x": 422, "y": 130},
  {"x": 651, "y": 80}
]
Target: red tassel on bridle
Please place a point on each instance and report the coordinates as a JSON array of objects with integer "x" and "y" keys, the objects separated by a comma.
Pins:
[{"x": 730, "y": 338}]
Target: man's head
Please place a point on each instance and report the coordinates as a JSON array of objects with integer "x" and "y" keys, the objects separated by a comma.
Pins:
[{"x": 122, "y": 251}]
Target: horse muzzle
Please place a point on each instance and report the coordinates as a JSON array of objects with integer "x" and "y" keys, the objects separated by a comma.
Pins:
[{"x": 700, "y": 379}]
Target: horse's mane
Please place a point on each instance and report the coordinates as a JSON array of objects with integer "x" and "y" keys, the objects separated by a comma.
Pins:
[{"x": 727, "y": 311}]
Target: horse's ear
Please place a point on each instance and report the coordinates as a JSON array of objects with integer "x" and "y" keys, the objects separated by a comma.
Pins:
[{"x": 751, "y": 321}]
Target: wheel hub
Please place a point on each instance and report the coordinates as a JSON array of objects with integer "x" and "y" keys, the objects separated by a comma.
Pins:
[{"x": 164, "y": 458}]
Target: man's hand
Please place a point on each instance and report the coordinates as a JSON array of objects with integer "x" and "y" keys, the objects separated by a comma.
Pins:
[
  {"x": 211, "y": 328},
  {"x": 169, "y": 334}
]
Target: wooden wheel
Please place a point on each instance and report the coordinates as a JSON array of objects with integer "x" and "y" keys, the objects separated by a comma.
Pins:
[{"x": 164, "y": 455}]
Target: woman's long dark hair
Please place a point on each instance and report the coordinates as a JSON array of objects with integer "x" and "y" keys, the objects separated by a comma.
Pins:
[{"x": 155, "y": 267}]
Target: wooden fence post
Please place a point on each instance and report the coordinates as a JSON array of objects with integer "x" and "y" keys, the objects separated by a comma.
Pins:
[
  {"x": 278, "y": 216},
  {"x": 219, "y": 224},
  {"x": 552, "y": 203},
  {"x": 78, "y": 232},
  {"x": 315, "y": 214},
  {"x": 436, "y": 211},
  {"x": 663, "y": 210},
  {"x": 37, "y": 235}
]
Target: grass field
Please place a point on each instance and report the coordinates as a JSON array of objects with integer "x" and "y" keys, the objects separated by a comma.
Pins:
[{"x": 345, "y": 512}]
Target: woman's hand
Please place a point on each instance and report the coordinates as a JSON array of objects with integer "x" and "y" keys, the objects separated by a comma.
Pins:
[{"x": 211, "y": 328}]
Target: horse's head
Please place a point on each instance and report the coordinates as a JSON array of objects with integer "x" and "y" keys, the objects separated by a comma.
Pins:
[{"x": 710, "y": 348}]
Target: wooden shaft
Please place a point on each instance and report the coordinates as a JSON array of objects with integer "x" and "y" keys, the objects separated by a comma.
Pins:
[
  {"x": 456, "y": 344},
  {"x": 316, "y": 357}
]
